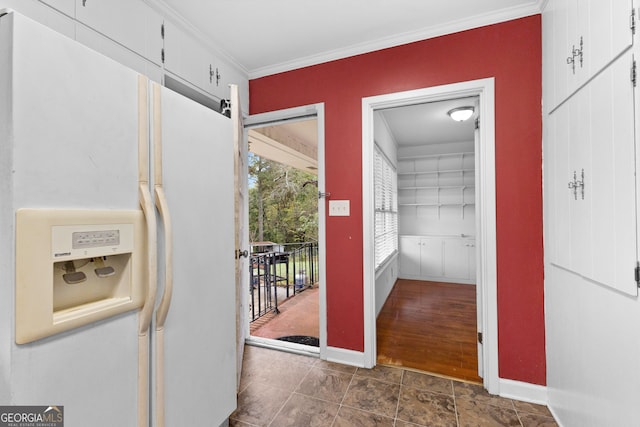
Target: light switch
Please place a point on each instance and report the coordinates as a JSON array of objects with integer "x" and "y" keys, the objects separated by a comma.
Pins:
[{"x": 339, "y": 208}]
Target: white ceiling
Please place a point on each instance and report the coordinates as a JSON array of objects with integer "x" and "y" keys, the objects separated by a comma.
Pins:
[
  {"x": 429, "y": 123},
  {"x": 268, "y": 36}
]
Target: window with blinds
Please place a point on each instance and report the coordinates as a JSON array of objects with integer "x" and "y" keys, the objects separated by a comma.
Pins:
[{"x": 386, "y": 208}]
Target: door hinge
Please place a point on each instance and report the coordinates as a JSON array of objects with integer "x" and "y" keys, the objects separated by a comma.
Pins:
[
  {"x": 325, "y": 195},
  {"x": 634, "y": 73},
  {"x": 633, "y": 21},
  {"x": 162, "y": 55},
  {"x": 637, "y": 274},
  {"x": 162, "y": 31},
  {"x": 480, "y": 337}
]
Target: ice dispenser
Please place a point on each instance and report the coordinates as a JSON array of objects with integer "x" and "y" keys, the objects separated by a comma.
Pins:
[{"x": 74, "y": 267}]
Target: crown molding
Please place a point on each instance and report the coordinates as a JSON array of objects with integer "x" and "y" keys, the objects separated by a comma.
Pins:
[{"x": 403, "y": 38}]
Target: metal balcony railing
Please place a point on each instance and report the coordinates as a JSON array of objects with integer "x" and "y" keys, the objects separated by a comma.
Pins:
[{"x": 276, "y": 276}]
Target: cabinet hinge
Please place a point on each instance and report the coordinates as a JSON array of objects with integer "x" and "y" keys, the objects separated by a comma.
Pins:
[
  {"x": 478, "y": 123},
  {"x": 480, "y": 337},
  {"x": 634, "y": 73},
  {"x": 637, "y": 274},
  {"x": 633, "y": 21},
  {"x": 162, "y": 55},
  {"x": 162, "y": 31}
]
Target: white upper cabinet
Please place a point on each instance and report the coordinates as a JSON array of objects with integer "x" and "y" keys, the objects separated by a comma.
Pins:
[
  {"x": 130, "y": 23},
  {"x": 68, "y": 7},
  {"x": 189, "y": 59},
  {"x": 185, "y": 57},
  {"x": 581, "y": 37}
]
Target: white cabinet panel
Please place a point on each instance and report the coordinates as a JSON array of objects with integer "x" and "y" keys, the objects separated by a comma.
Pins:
[
  {"x": 409, "y": 260},
  {"x": 581, "y": 38},
  {"x": 438, "y": 258},
  {"x": 115, "y": 51},
  {"x": 68, "y": 7},
  {"x": 185, "y": 57},
  {"x": 43, "y": 14},
  {"x": 593, "y": 235},
  {"x": 607, "y": 32},
  {"x": 613, "y": 200},
  {"x": 459, "y": 259},
  {"x": 193, "y": 62},
  {"x": 129, "y": 22},
  {"x": 431, "y": 257}
]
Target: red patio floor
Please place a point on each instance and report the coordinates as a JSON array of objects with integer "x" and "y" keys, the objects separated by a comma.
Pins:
[{"x": 299, "y": 315}]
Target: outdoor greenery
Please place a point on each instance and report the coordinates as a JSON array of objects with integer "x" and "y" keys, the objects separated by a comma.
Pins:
[{"x": 283, "y": 203}]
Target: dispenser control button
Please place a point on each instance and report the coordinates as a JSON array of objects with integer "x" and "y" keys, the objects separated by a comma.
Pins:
[{"x": 95, "y": 239}]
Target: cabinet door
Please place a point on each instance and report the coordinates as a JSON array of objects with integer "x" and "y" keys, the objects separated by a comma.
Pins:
[
  {"x": 431, "y": 257},
  {"x": 186, "y": 58},
  {"x": 471, "y": 251},
  {"x": 68, "y": 7},
  {"x": 593, "y": 235},
  {"x": 130, "y": 23},
  {"x": 409, "y": 259},
  {"x": 559, "y": 195},
  {"x": 598, "y": 29},
  {"x": 606, "y": 30},
  {"x": 580, "y": 160},
  {"x": 610, "y": 187},
  {"x": 456, "y": 259},
  {"x": 558, "y": 48}
]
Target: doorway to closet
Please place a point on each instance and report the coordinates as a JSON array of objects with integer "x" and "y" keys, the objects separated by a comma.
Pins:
[
  {"x": 446, "y": 228},
  {"x": 429, "y": 319}
]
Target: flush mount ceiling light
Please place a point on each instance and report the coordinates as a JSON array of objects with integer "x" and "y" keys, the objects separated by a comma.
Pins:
[{"x": 460, "y": 114}]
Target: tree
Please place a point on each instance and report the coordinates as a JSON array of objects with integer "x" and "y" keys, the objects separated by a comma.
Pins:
[{"x": 283, "y": 203}]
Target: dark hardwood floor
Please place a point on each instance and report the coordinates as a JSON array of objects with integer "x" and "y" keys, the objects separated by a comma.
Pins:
[{"x": 430, "y": 326}]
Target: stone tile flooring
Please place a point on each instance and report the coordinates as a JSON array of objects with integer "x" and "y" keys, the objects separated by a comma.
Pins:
[{"x": 282, "y": 389}]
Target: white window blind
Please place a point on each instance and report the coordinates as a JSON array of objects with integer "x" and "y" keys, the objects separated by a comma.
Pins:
[{"x": 386, "y": 208}]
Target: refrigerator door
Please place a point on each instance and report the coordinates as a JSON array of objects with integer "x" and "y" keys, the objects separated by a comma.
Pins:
[
  {"x": 68, "y": 139},
  {"x": 199, "y": 372}
]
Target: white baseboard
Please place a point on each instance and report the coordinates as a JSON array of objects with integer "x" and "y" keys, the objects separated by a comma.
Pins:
[
  {"x": 346, "y": 357},
  {"x": 526, "y": 392}
]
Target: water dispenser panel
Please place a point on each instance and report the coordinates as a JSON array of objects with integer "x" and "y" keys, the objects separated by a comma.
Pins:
[{"x": 74, "y": 267}]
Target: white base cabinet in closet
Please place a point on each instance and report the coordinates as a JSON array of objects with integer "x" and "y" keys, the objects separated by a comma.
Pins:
[{"x": 437, "y": 258}]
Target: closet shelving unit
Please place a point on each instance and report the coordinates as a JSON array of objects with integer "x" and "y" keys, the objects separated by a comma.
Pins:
[{"x": 437, "y": 180}]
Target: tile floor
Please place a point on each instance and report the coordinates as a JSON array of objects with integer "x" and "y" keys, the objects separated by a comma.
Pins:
[{"x": 282, "y": 389}]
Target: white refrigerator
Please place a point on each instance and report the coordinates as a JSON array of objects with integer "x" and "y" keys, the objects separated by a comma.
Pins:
[{"x": 81, "y": 133}]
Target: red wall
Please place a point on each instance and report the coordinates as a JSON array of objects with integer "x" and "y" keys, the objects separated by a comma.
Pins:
[{"x": 511, "y": 53}]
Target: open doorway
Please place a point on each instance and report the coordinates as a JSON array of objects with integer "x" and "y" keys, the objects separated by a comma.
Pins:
[
  {"x": 286, "y": 261},
  {"x": 428, "y": 320},
  {"x": 379, "y": 281}
]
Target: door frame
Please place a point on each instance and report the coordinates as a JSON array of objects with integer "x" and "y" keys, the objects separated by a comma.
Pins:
[
  {"x": 306, "y": 112},
  {"x": 486, "y": 265}
]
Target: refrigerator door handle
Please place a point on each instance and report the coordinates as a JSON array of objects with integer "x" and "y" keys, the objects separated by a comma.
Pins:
[
  {"x": 152, "y": 262},
  {"x": 165, "y": 301},
  {"x": 161, "y": 203},
  {"x": 163, "y": 209},
  {"x": 144, "y": 194}
]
